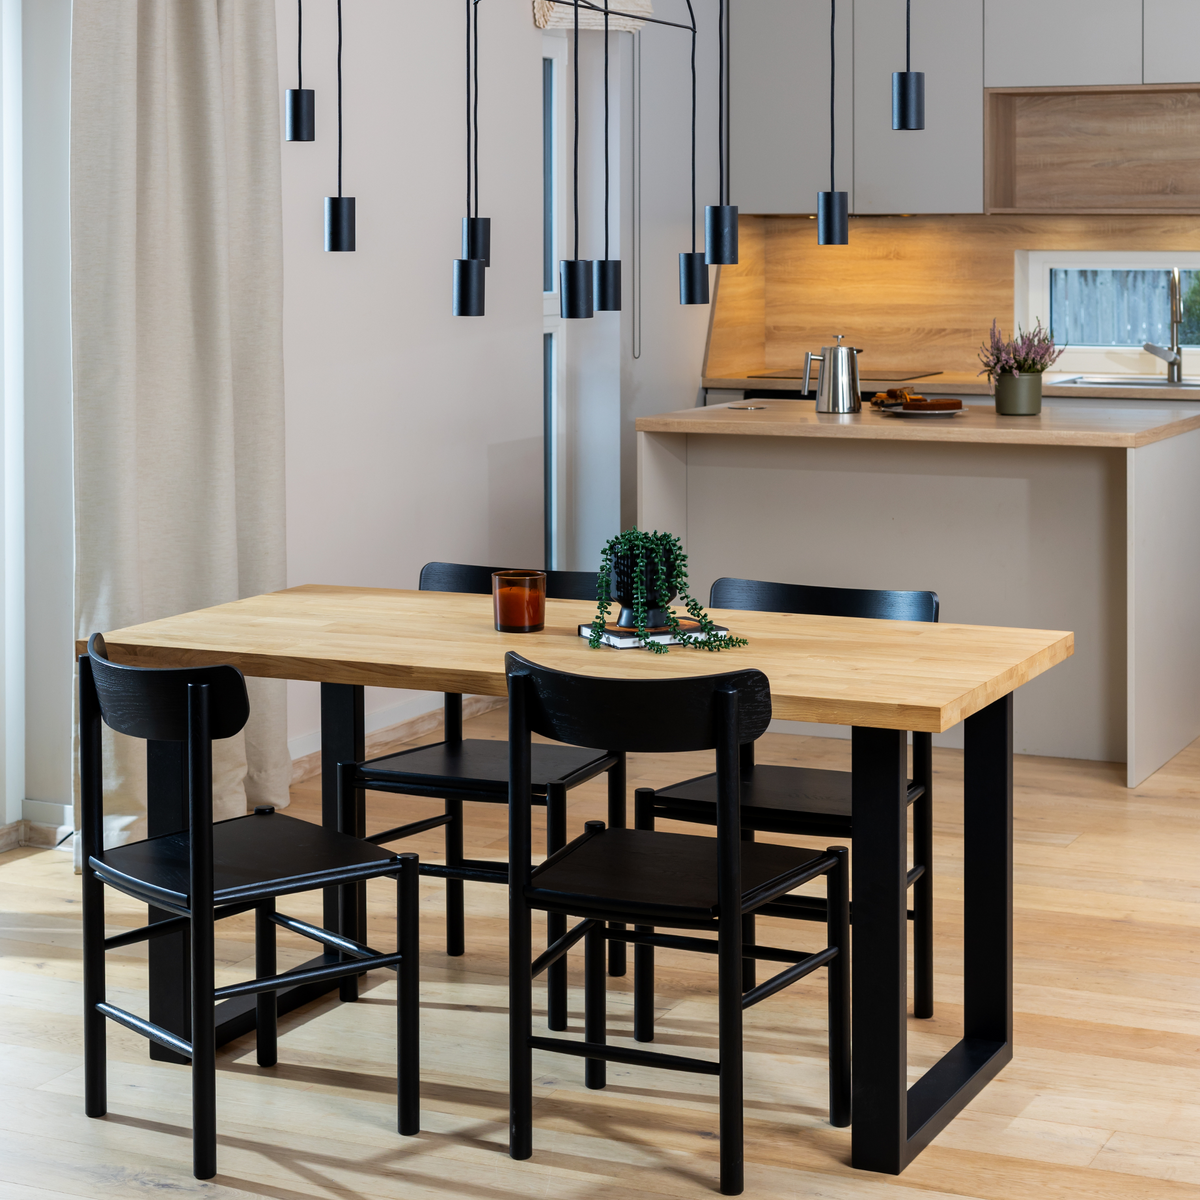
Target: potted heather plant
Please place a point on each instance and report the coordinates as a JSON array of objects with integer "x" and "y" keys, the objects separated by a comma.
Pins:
[
  {"x": 1016, "y": 366},
  {"x": 643, "y": 572}
]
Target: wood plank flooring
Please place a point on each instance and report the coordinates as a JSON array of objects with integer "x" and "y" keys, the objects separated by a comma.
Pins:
[{"x": 1101, "y": 1102}]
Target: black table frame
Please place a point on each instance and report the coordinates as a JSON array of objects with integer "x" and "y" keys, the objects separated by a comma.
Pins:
[{"x": 893, "y": 1123}]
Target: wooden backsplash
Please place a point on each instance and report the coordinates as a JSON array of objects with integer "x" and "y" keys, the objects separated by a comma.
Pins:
[{"x": 916, "y": 292}]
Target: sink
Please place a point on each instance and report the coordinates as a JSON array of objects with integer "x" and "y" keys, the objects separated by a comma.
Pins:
[{"x": 1125, "y": 381}]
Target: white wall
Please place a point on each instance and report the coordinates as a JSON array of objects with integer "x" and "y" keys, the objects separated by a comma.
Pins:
[{"x": 411, "y": 434}]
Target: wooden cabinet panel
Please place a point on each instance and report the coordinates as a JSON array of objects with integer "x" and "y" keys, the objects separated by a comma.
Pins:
[
  {"x": 779, "y": 104},
  {"x": 938, "y": 169},
  {"x": 1170, "y": 53},
  {"x": 1062, "y": 43}
]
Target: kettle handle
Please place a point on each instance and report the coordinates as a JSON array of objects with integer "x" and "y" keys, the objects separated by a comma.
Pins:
[{"x": 809, "y": 359}]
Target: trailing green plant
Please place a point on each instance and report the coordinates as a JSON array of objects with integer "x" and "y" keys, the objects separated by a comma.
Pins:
[{"x": 670, "y": 578}]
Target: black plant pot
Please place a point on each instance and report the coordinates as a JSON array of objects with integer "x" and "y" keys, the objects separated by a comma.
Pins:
[{"x": 623, "y": 572}]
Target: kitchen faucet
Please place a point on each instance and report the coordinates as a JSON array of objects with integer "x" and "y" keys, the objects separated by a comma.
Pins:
[{"x": 1172, "y": 356}]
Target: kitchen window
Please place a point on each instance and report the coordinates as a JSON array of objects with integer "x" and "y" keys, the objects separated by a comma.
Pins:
[{"x": 1103, "y": 305}]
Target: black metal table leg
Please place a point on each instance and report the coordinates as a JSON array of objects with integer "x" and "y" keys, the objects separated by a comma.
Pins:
[
  {"x": 342, "y": 740},
  {"x": 892, "y": 1123},
  {"x": 616, "y": 820}
]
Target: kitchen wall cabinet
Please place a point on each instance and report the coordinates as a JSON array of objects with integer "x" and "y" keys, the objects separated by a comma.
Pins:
[
  {"x": 1171, "y": 29},
  {"x": 938, "y": 169},
  {"x": 1063, "y": 43},
  {"x": 779, "y": 104}
]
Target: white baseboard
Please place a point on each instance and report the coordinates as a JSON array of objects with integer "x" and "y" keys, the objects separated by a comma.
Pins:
[
  {"x": 383, "y": 737},
  {"x": 32, "y": 833}
]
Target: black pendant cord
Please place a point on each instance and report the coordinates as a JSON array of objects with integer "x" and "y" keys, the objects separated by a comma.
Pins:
[
  {"x": 575, "y": 152},
  {"x": 832, "y": 92},
  {"x": 469, "y": 127},
  {"x": 299, "y": 44},
  {"x": 908, "y": 35},
  {"x": 475, "y": 99},
  {"x": 722, "y": 136},
  {"x": 606, "y": 130},
  {"x": 339, "y": 99},
  {"x": 691, "y": 16}
]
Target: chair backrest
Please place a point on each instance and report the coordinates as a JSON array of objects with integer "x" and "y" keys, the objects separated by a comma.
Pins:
[
  {"x": 152, "y": 702},
  {"x": 759, "y": 596},
  {"x": 639, "y": 715},
  {"x": 462, "y": 577}
]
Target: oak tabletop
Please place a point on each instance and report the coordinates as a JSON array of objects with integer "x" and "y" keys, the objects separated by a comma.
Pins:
[
  {"x": 1102, "y": 423},
  {"x": 837, "y": 670}
]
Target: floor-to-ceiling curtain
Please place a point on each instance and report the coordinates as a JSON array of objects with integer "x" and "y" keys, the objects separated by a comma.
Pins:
[{"x": 177, "y": 301}]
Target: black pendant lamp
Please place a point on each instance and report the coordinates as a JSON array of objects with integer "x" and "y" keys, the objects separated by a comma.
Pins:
[
  {"x": 575, "y": 274},
  {"x": 833, "y": 207},
  {"x": 908, "y": 86},
  {"x": 339, "y": 209},
  {"x": 300, "y": 102},
  {"x": 721, "y": 220},
  {"x": 693, "y": 271},
  {"x": 469, "y": 270},
  {"x": 606, "y": 272}
]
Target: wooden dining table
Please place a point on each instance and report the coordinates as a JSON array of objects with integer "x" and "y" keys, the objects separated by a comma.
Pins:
[{"x": 882, "y": 678}]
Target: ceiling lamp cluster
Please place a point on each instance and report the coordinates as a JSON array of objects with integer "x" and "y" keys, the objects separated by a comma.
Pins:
[{"x": 476, "y": 230}]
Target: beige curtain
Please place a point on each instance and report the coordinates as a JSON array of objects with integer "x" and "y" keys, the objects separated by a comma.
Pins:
[{"x": 176, "y": 245}]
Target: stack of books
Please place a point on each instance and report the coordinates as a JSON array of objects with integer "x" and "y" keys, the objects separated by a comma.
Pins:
[{"x": 621, "y": 638}]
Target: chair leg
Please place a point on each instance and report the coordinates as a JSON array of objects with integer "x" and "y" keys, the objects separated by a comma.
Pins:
[
  {"x": 643, "y": 956},
  {"x": 455, "y": 925},
  {"x": 95, "y": 1066},
  {"x": 594, "y": 1000},
  {"x": 923, "y": 888},
  {"x": 266, "y": 1014},
  {"x": 408, "y": 998},
  {"x": 520, "y": 1022},
  {"x": 729, "y": 1018},
  {"x": 556, "y": 923},
  {"x": 348, "y": 894},
  {"x": 348, "y": 909},
  {"x": 837, "y": 884},
  {"x": 616, "y": 820},
  {"x": 204, "y": 1049},
  {"x": 749, "y": 973}
]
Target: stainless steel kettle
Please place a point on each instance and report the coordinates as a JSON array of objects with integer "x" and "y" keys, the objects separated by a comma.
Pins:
[{"x": 837, "y": 381}]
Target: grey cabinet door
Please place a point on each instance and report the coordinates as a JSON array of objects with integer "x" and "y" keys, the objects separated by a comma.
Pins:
[
  {"x": 779, "y": 103},
  {"x": 938, "y": 169},
  {"x": 1061, "y": 43},
  {"x": 1171, "y": 53}
]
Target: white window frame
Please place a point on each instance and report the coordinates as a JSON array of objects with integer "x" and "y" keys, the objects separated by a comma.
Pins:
[{"x": 1031, "y": 302}]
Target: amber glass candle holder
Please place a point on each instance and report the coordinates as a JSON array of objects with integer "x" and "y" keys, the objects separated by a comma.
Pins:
[{"x": 519, "y": 600}]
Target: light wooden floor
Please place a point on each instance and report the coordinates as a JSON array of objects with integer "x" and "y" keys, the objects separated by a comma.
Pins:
[{"x": 1101, "y": 1102}]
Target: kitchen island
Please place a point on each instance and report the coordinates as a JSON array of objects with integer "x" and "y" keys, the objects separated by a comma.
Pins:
[{"x": 1086, "y": 517}]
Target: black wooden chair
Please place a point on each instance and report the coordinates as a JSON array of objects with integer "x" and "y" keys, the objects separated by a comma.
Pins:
[
  {"x": 208, "y": 872},
  {"x": 812, "y": 802},
  {"x": 476, "y": 769},
  {"x": 648, "y": 879}
]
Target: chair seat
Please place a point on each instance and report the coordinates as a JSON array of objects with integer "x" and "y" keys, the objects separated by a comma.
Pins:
[
  {"x": 775, "y": 799},
  {"x": 264, "y": 854},
  {"x": 665, "y": 876},
  {"x": 480, "y": 765}
]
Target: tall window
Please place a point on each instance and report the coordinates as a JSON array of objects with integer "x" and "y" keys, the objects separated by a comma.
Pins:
[{"x": 548, "y": 238}]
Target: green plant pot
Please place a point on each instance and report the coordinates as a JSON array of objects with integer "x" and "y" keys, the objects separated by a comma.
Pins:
[{"x": 1019, "y": 395}]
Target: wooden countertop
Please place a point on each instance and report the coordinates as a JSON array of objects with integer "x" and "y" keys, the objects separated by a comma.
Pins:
[
  {"x": 1096, "y": 423},
  {"x": 840, "y": 670},
  {"x": 952, "y": 383}
]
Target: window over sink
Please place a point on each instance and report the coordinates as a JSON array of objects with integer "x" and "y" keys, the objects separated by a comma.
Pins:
[{"x": 1104, "y": 305}]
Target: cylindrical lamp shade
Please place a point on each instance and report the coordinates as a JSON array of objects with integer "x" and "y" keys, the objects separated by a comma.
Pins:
[
  {"x": 721, "y": 234},
  {"x": 833, "y": 218},
  {"x": 339, "y": 222},
  {"x": 469, "y": 277},
  {"x": 908, "y": 99},
  {"x": 477, "y": 239},
  {"x": 300, "y": 115},
  {"x": 606, "y": 284},
  {"x": 575, "y": 288},
  {"x": 693, "y": 278}
]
